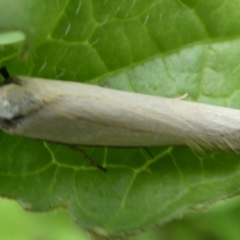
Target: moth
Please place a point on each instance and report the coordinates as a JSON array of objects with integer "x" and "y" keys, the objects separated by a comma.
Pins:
[{"x": 80, "y": 114}]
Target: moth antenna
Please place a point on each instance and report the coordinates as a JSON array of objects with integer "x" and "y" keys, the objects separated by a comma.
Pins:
[{"x": 88, "y": 159}]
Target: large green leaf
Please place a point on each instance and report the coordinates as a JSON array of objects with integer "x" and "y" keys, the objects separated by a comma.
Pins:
[{"x": 159, "y": 47}]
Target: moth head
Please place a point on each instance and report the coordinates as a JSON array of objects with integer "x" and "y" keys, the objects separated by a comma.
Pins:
[{"x": 16, "y": 100}]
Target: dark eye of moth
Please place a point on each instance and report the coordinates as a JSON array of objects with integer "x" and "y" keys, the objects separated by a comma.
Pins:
[{"x": 5, "y": 77}]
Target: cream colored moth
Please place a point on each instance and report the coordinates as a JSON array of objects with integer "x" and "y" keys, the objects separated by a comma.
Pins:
[{"x": 81, "y": 114}]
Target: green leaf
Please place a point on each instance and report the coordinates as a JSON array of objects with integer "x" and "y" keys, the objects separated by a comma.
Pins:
[{"x": 158, "y": 47}]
